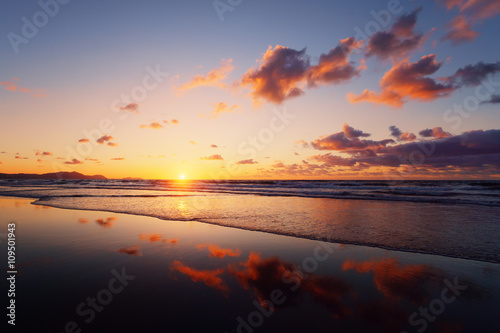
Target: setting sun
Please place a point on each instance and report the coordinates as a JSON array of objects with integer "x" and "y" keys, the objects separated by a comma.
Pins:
[{"x": 182, "y": 177}]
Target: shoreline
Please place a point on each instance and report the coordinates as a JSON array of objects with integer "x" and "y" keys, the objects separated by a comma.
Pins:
[{"x": 37, "y": 202}]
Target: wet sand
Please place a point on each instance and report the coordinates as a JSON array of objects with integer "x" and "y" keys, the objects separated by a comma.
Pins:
[{"x": 99, "y": 271}]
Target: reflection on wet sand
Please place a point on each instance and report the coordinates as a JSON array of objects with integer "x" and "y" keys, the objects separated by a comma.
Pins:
[
  {"x": 107, "y": 223},
  {"x": 218, "y": 252},
  {"x": 132, "y": 250},
  {"x": 396, "y": 281},
  {"x": 211, "y": 278}
]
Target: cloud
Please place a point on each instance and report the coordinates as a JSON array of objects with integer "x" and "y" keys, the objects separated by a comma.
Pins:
[
  {"x": 73, "y": 162},
  {"x": 214, "y": 146},
  {"x": 348, "y": 139},
  {"x": 459, "y": 31},
  {"x": 400, "y": 136},
  {"x": 211, "y": 278},
  {"x": 44, "y": 153},
  {"x": 436, "y": 132},
  {"x": 117, "y": 158},
  {"x": 193, "y": 142},
  {"x": 334, "y": 67},
  {"x": 284, "y": 72},
  {"x": 104, "y": 138},
  {"x": 471, "y": 12},
  {"x": 91, "y": 159},
  {"x": 249, "y": 161},
  {"x": 83, "y": 220},
  {"x": 398, "y": 41},
  {"x": 475, "y": 152},
  {"x": 218, "y": 252},
  {"x": 396, "y": 281},
  {"x": 407, "y": 81},
  {"x": 473, "y": 75},
  {"x": 350, "y": 132},
  {"x": 219, "y": 110},
  {"x": 214, "y": 78},
  {"x": 131, "y": 107},
  {"x": 172, "y": 122},
  {"x": 215, "y": 157},
  {"x": 153, "y": 125},
  {"x": 14, "y": 87},
  {"x": 83, "y": 140},
  {"x": 112, "y": 144},
  {"x": 494, "y": 99},
  {"x": 477, "y": 10}
]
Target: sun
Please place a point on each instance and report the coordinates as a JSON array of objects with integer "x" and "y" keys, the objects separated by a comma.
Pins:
[{"x": 182, "y": 177}]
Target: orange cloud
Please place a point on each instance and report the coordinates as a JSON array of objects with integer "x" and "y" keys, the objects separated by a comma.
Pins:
[
  {"x": 459, "y": 31},
  {"x": 215, "y": 157},
  {"x": 83, "y": 140},
  {"x": 216, "y": 251},
  {"x": 284, "y": 72},
  {"x": 214, "y": 78},
  {"x": 172, "y": 122},
  {"x": 14, "y": 87},
  {"x": 394, "y": 280},
  {"x": 153, "y": 125},
  {"x": 45, "y": 153},
  {"x": 407, "y": 81},
  {"x": 18, "y": 157},
  {"x": 83, "y": 221},
  {"x": 211, "y": 278},
  {"x": 117, "y": 158},
  {"x": 112, "y": 144},
  {"x": 219, "y": 109},
  {"x": 104, "y": 139}
]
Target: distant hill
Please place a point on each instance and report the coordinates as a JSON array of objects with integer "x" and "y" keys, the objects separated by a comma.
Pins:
[{"x": 54, "y": 175}]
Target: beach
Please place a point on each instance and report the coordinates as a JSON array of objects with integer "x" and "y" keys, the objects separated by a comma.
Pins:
[{"x": 99, "y": 271}]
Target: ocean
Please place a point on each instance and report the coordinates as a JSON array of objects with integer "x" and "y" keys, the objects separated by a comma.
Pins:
[{"x": 451, "y": 218}]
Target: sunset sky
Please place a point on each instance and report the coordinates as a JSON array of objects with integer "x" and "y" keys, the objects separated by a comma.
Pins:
[{"x": 251, "y": 89}]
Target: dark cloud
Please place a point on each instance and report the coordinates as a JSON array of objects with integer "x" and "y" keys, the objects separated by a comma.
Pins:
[
  {"x": 348, "y": 139},
  {"x": 472, "y": 75},
  {"x": 400, "y": 136},
  {"x": 494, "y": 99},
  {"x": 436, "y": 132},
  {"x": 398, "y": 41}
]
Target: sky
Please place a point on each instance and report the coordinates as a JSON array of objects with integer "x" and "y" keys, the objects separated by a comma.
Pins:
[{"x": 238, "y": 89}]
